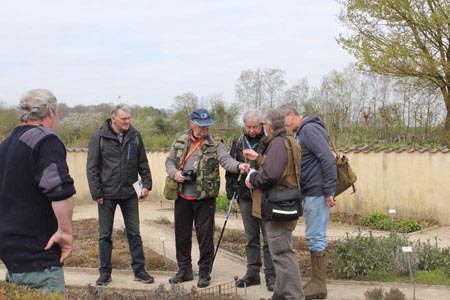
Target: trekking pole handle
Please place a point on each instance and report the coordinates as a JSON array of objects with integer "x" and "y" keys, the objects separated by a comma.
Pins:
[{"x": 233, "y": 197}]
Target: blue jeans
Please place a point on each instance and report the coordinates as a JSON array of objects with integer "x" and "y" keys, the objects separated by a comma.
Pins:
[
  {"x": 130, "y": 212},
  {"x": 49, "y": 280},
  {"x": 317, "y": 215},
  {"x": 253, "y": 227}
]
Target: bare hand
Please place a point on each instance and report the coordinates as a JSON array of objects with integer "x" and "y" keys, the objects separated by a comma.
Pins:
[
  {"x": 235, "y": 204},
  {"x": 329, "y": 201},
  {"x": 65, "y": 242},
  {"x": 144, "y": 193},
  {"x": 99, "y": 200},
  {"x": 244, "y": 167},
  {"x": 250, "y": 154},
  {"x": 178, "y": 177}
]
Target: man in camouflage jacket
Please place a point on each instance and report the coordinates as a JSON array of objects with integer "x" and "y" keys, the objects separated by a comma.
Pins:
[{"x": 193, "y": 162}]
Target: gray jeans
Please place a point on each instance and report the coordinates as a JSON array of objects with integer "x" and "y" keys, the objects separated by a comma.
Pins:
[
  {"x": 253, "y": 227},
  {"x": 288, "y": 282},
  {"x": 49, "y": 280}
]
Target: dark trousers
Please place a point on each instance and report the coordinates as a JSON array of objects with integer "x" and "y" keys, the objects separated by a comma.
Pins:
[
  {"x": 130, "y": 212},
  {"x": 201, "y": 214},
  {"x": 253, "y": 228}
]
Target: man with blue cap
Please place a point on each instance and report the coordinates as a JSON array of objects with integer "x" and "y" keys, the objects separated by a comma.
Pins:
[{"x": 193, "y": 162}]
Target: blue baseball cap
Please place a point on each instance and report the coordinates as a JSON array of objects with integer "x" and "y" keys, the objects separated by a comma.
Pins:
[{"x": 201, "y": 117}]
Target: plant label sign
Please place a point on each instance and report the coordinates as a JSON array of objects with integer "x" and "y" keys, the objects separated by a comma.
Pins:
[{"x": 407, "y": 249}]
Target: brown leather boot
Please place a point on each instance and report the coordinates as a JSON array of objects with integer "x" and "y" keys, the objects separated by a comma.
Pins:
[{"x": 316, "y": 288}]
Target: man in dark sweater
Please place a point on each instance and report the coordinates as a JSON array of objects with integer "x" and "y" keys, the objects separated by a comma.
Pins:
[
  {"x": 319, "y": 175},
  {"x": 36, "y": 202}
]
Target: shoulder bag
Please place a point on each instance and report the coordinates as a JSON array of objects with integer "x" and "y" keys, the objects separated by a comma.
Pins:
[{"x": 286, "y": 204}]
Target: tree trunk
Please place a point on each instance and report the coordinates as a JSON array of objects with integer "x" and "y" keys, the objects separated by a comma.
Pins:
[{"x": 446, "y": 95}]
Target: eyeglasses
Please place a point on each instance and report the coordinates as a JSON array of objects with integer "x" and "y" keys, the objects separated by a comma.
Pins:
[{"x": 254, "y": 128}]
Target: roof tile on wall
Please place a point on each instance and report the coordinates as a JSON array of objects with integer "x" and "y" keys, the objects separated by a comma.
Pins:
[{"x": 349, "y": 149}]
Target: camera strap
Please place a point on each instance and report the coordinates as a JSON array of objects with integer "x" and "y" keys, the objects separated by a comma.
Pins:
[{"x": 196, "y": 146}]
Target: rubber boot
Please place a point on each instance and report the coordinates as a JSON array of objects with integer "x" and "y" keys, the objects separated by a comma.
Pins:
[{"x": 316, "y": 288}]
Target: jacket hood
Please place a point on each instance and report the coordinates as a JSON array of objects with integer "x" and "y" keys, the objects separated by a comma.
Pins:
[{"x": 311, "y": 119}]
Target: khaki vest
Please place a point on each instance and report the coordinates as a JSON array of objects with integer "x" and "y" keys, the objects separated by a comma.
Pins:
[{"x": 208, "y": 177}]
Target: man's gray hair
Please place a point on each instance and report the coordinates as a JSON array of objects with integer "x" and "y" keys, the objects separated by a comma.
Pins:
[
  {"x": 34, "y": 105},
  {"x": 289, "y": 108},
  {"x": 120, "y": 106},
  {"x": 251, "y": 114},
  {"x": 276, "y": 118}
]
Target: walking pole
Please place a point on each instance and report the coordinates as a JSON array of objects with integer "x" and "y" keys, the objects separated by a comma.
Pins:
[{"x": 226, "y": 220}]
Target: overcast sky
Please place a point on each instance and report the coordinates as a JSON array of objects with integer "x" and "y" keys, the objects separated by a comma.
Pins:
[{"x": 147, "y": 52}]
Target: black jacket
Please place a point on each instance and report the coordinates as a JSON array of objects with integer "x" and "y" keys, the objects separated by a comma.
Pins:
[
  {"x": 232, "y": 182},
  {"x": 318, "y": 167},
  {"x": 113, "y": 167}
]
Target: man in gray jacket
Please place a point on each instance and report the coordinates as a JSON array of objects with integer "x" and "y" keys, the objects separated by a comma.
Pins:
[{"x": 115, "y": 158}]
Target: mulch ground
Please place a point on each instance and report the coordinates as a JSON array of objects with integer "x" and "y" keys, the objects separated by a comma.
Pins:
[{"x": 85, "y": 253}]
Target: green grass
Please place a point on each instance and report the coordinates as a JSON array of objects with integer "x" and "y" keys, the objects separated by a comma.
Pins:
[
  {"x": 222, "y": 203},
  {"x": 438, "y": 276},
  {"x": 435, "y": 277}
]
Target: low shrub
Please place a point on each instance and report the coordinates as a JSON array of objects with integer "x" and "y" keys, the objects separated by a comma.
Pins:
[
  {"x": 373, "y": 219},
  {"x": 394, "y": 294},
  {"x": 407, "y": 226},
  {"x": 431, "y": 257},
  {"x": 358, "y": 256},
  {"x": 374, "y": 294},
  {"x": 11, "y": 291},
  {"x": 367, "y": 257},
  {"x": 163, "y": 220},
  {"x": 380, "y": 221},
  {"x": 173, "y": 292},
  {"x": 222, "y": 203}
]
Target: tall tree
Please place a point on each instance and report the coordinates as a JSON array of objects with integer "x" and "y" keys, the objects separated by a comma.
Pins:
[
  {"x": 183, "y": 105},
  {"x": 249, "y": 89},
  {"x": 298, "y": 93},
  {"x": 8, "y": 120},
  {"x": 401, "y": 38},
  {"x": 274, "y": 83}
]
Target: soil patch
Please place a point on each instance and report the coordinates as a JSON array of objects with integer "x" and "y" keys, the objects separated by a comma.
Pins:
[
  {"x": 233, "y": 240},
  {"x": 86, "y": 255}
]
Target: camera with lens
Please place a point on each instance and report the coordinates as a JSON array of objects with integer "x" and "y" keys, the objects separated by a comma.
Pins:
[{"x": 189, "y": 176}]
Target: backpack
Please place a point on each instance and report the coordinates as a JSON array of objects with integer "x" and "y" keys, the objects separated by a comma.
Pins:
[{"x": 345, "y": 176}]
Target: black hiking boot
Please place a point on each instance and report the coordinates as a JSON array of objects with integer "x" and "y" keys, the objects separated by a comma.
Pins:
[
  {"x": 104, "y": 279},
  {"x": 144, "y": 277},
  {"x": 184, "y": 274}
]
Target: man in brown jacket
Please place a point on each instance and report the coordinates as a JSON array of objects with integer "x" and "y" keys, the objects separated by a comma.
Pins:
[{"x": 277, "y": 172}]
